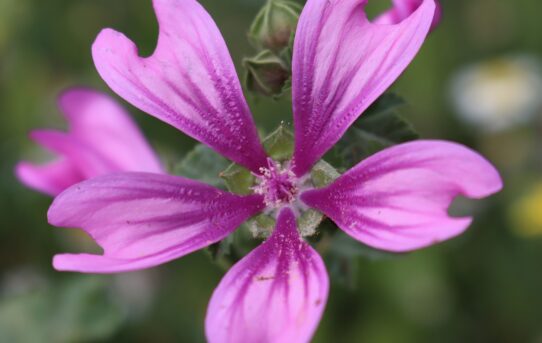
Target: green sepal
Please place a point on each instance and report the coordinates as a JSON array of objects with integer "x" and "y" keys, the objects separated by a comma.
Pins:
[
  {"x": 309, "y": 222},
  {"x": 322, "y": 174},
  {"x": 238, "y": 180},
  {"x": 266, "y": 73},
  {"x": 274, "y": 24},
  {"x": 279, "y": 144},
  {"x": 261, "y": 226},
  {"x": 204, "y": 164}
]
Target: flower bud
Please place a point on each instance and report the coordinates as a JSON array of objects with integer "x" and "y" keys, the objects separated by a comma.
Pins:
[
  {"x": 274, "y": 25},
  {"x": 267, "y": 73}
]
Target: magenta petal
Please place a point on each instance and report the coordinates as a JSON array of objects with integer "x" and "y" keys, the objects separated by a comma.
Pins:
[
  {"x": 277, "y": 293},
  {"x": 402, "y": 9},
  {"x": 82, "y": 156},
  {"x": 101, "y": 139},
  {"x": 51, "y": 178},
  {"x": 189, "y": 82},
  {"x": 142, "y": 219},
  {"x": 398, "y": 199},
  {"x": 105, "y": 128},
  {"x": 341, "y": 64}
]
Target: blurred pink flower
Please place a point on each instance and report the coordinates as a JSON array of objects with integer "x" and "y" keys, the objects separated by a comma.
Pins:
[
  {"x": 101, "y": 139},
  {"x": 402, "y": 9},
  {"x": 396, "y": 200}
]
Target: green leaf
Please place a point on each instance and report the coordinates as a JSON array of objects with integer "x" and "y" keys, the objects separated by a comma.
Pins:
[
  {"x": 383, "y": 124},
  {"x": 203, "y": 164},
  {"x": 343, "y": 256},
  {"x": 343, "y": 270},
  {"x": 224, "y": 252},
  {"x": 388, "y": 102},
  {"x": 345, "y": 246},
  {"x": 378, "y": 128},
  {"x": 233, "y": 248}
]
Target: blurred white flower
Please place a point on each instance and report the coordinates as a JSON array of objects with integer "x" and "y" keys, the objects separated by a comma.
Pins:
[
  {"x": 22, "y": 280},
  {"x": 136, "y": 291},
  {"x": 498, "y": 93}
]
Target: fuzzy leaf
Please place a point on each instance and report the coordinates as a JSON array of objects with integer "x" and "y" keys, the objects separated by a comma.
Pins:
[
  {"x": 323, "y": 174},
  {"x": 378, "y": 128},
  {"x": 279, "y": 144},
  {"x": 203, "y": 164},
  {"x": 238, "y": 179}
]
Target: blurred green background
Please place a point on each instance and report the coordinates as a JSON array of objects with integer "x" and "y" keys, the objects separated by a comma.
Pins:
[{"x": 484, "y": 286}]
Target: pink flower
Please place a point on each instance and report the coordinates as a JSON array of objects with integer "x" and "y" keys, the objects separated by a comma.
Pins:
[
  {"x": 396, "y": 200},
  {"x": 101, "y": 139}
]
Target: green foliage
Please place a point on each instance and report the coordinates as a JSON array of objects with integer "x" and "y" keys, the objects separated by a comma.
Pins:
[
  {"x": 238, "y": 180},
  {"x": 203, "y": 164},
  {"x": 379, "y": 127},
  {"x": 322, "y": 174},
  {"x": 343, "y": 253},
  {"x": 272, "y": 33},
  {"x": 77, "y": 310},
  {"x": 345, "y": 246}
]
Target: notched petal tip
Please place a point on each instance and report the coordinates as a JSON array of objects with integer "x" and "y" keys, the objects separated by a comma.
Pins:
[
  {"x": 398, "y": 199},
  {"x": 188, "y": 82},
  {"x": 143, "y": 219},
  {"x": 109, "y": 40},
  {"x": 332, "y": 84}
]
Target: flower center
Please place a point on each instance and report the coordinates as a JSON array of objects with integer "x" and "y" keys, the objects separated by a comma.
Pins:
[{"x": 277, "y": 184}]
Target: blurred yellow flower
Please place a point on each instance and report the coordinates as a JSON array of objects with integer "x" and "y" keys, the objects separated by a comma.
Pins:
[{"x": 526, "y": 213}]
